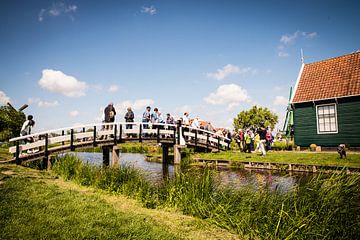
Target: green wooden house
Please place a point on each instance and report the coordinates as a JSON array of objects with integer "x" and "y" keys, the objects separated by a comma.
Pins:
[{"x": 326, "y": 102}]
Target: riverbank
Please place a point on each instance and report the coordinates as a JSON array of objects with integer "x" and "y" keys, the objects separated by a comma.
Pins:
[
  {"x": 153, "y": 153},
  {"x": 286, "y": 157},
  {"x": 38, "y": 204}
]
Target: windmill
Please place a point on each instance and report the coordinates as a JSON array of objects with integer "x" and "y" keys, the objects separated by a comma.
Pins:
[
  {"x": 23, "y": 107},
  {"x": 289, "y": 119}
]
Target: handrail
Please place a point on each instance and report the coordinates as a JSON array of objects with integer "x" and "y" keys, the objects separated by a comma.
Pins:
[{"x": 108, "y": 124}]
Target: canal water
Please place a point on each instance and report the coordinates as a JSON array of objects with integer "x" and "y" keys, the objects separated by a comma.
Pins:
[{"x": 227, "y": 177}]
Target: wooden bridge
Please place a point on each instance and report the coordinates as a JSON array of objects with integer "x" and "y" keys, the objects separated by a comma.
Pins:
[{"x": 107, "y": 135}]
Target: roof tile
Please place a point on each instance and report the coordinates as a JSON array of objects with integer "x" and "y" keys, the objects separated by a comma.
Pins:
[{"x": 330, "y": 78}]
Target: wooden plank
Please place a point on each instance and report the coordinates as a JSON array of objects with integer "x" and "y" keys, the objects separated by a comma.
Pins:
[
  {"x": 130, "y": 131},
  {"x": 105, "y": 132},
  {"x": 84, "y": 135},
  {"x": 28, "y": 146},
  {"x": 165, "y": 131},
  {"x": 154, "y": 131},
  {"x": 59, "y": 139}
]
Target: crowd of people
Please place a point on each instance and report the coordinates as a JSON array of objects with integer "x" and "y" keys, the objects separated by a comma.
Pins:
[
  {"x": 248, "y": 140},
  {"x": 254, "y": 139}
]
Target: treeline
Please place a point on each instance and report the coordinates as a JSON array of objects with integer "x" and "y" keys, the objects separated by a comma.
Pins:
[{"x": 10, "y": 123}]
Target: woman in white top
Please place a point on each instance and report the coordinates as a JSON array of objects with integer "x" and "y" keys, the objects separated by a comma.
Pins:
[
  {"x": 26, "y": 128},
  {"x": 185, "y": 119}
]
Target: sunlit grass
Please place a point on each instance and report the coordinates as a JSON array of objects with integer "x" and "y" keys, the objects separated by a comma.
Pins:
[{"x": 331, "y": 159}]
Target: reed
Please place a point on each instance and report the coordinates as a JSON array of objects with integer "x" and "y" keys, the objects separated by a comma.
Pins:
[{"x": 326, "y": 207}]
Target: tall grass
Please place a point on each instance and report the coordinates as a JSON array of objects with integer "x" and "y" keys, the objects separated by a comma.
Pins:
[{"x": 327, "y": 207}]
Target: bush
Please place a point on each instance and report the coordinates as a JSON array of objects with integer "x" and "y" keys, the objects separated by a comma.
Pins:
[{"x": 282, "y": 145}]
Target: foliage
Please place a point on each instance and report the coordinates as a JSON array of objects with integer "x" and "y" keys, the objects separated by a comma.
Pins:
[
  {"x": 325, "y": 207},
  {"x": 254, "y": 117},
  {"x": 283, "y": 145},
  {"x": 10, "y": 123}
]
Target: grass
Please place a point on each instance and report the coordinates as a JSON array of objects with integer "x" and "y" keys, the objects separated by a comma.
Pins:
[
  {"x": 327, "y": 207},
  {"x": 4, "y": 151},
  {"x": 37, "y": 205},
  {"x": 322, "y": 158}
]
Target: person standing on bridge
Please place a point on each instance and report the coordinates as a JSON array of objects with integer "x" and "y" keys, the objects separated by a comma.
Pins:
[
  {"x": 195, "y": 123},
  {"x": 185, "y": 119},
  {"x": 129, "y": 117},
  {"x": 169, "y": 119},
  {"x": 109, "y": 115},
  {"x": 146, "y": 117},
  {"x": 26, "y": 128}
]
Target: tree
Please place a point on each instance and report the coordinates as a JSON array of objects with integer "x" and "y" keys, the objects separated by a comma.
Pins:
[
  {"x": 254, "y": 118},
  {"x": 10, "y": 122}
]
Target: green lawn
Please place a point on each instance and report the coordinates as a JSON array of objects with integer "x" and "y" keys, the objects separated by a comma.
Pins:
[
  {"x": 323, "y": 158},
  {"x": 37, "y": 205}
]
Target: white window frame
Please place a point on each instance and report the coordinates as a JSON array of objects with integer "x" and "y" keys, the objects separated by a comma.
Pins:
[{"x": 317, "y": 119}]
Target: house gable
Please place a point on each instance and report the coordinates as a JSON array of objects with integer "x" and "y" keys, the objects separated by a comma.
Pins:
[{"x": 327, "y": 79}]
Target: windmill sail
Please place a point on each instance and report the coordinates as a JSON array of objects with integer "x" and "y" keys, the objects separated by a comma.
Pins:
[{"x": 289, "y": 119}]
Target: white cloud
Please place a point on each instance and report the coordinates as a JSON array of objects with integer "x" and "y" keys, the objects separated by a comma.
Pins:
[
  {"x": 182, "y": 109},
  {"x": 310, "y": 35},
  {"x": 41, "y": 103},
  {"x": 48, "y": 104},
  {"x": 142, "y": 103},
  {"x": 33, "y": 100},
  {"x": 283, "y": 54},
  {"x": 149, "y": 10},
  {"x": 288, "y": 39},
  {"x": 74, "y": 113},
  {"x": 229, "y": 69},
  {"x": 291, "y": 38},
  {"x": 57, "y": 81},
  {"x": 57, "y": 9},
  {"x": 3, "y": 98},
  {"x": 280, "y": 101},
  {"x": 229, "y": 94},
  {"x": 113, "y": 88},
  {"x": 136, "y": 105}
]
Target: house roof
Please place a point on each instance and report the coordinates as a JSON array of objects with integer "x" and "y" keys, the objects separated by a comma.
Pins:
[{"x": 330, "y": 78}]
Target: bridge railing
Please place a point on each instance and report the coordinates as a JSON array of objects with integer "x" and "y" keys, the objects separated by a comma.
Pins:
[{"x": 92, "y": 134}]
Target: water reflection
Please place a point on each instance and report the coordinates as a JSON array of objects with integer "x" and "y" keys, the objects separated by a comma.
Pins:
[{"x": 225, "y": 177}]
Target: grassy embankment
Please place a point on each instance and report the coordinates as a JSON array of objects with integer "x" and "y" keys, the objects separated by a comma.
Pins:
[
  {"x": 321, "y": 158},
  {"x": 326, "y": 207},
  {"x": 38, "y": 205}
]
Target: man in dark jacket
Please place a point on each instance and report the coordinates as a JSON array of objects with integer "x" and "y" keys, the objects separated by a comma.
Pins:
[
  {"x": 109, "y": 115},
  {"x": 262, "y": 133}
]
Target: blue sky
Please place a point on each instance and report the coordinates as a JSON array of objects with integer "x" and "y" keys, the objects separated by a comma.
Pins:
[{"x": 214, "y": 58}]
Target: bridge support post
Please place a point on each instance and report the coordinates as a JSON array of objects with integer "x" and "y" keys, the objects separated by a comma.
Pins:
[
  {"x": 165, "y": 153},
  {"x": 177, "y": 153},
  {"x": 45, "y": 163},
  {"x": 106, "y": 156},
  {"x": 115, "y": 157},
  {"x": 17, "y": 154}
]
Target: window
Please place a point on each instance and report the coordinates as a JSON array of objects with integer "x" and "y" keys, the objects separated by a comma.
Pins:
[{"x": 326, "y": 119}]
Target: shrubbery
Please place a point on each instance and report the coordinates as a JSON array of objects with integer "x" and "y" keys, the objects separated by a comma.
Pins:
[{"x": 281, "y": 146}]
